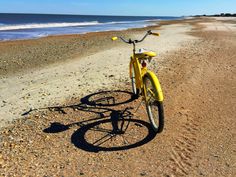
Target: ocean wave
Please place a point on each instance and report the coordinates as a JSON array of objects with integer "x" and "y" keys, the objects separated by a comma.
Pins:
[
  {"x": 4, "y": 27},
  {"x": 45, "y": 25},
  {"x": 127, "y": 22}
]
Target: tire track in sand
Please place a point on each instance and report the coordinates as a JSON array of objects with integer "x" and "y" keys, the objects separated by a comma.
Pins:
[{"x": 183, "y": 149}]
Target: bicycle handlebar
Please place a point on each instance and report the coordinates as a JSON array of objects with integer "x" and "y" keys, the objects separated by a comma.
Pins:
[{"x": 130, "y": 41}]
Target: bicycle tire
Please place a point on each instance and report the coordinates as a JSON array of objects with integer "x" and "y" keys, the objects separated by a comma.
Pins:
[
  {"x": 154, "y": 107},
  {"x": 133, "y": 81}
]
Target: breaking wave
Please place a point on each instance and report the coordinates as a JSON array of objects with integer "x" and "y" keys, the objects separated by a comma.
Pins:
[{"x": 44, "y": 25}]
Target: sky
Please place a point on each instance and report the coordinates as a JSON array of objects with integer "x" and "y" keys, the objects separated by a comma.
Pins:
[{"x": 120, "y": 7}]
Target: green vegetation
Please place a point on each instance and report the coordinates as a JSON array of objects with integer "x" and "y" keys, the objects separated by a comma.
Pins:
[{"x": 218, "y": 15}]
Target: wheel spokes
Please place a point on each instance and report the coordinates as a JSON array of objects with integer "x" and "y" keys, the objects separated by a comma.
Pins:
[{"x": 151, "y": 92}]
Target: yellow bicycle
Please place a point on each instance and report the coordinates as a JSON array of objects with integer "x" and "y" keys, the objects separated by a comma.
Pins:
[{"x": 145, "y": 82}]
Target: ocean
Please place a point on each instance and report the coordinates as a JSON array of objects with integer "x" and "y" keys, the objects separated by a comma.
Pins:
[{"x": 30, "y": 26}]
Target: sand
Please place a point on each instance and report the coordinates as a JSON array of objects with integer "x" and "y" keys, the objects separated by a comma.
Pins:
[
  {"x": 55, "y": 83},
  {"x": 196, "y": 67}
]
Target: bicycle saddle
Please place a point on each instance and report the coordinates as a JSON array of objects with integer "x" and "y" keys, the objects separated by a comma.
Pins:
[{"x": 145, "y": 54}]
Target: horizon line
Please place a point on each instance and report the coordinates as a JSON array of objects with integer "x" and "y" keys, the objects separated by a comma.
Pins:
[{"x": 92, "y": 15}]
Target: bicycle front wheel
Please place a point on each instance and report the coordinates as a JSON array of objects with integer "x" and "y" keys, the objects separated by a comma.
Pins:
[
  {"x": 154, "y": 106},
  {"x": 133, "y": 81}
]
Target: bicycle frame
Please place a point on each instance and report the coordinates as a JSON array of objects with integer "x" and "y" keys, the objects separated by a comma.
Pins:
[
  {"x": 146, "y": 83},
  {"x": 140, "y": 72}
]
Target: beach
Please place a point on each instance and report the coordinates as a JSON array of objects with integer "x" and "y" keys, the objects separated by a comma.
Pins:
[{"x": 44, "y": 82}]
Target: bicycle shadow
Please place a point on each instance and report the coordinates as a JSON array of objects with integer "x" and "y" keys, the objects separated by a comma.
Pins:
[{"x": 113, "y": 127}]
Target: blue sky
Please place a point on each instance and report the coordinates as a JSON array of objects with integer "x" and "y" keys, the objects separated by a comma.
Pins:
[{"x": 119, "y": 7}]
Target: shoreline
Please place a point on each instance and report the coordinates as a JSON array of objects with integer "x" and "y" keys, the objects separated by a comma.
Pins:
[
  {"x": 38, "y": 26},
  {"x": 105, "y": 31},
  {"x": 18, "y": 55}
]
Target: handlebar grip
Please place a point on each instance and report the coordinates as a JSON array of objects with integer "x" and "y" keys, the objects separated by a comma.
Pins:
[
  {"x": 155, "y": 34},
  {"x": 114, "y": 38}
]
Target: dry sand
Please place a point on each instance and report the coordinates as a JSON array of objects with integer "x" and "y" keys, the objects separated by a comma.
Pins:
[{"x": 197, "y": 70}]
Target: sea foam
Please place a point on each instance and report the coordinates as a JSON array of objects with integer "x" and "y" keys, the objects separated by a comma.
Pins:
[{"x": 45, "y": 25}]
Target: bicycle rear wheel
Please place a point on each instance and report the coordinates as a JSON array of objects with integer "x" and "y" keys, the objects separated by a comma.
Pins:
[
  {"x": 135, "y": 90},
  {"x": 154, "y": 107}
]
